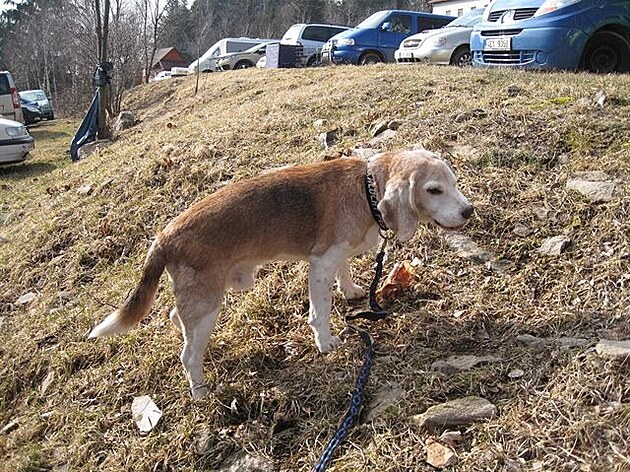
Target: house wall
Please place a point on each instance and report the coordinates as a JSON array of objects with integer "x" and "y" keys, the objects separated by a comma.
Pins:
[{"x": 458, "y": 7}]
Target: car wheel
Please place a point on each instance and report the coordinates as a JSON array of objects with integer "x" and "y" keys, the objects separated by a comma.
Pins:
[
  {"x": 607, "y": 52},
  {"x": 51, "y": 117},
  {"x": 370, "y": 58},
  {"x": 243, "y": 65},
  {"x": 462, "y": 57}
]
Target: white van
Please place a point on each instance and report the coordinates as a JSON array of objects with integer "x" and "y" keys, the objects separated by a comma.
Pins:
[
  {"x": 10, "y": 107},
  {"x": 208, "y": 62}
]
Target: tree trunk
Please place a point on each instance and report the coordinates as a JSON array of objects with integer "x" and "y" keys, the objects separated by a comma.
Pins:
[{"x": 102, "y": 32}]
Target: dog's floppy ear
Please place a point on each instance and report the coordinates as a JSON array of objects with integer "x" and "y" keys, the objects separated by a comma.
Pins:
[{"x": 398, "y": 209}]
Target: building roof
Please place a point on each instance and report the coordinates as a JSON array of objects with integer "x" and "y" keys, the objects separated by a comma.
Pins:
[{"x": 160, "y": 54}]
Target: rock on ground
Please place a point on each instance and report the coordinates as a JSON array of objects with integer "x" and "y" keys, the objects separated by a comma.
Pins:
[
  {"x": 613, "y": 349},
  {"x": 242, "y": 462},
  {"x": 554, "y": 246},
  {"x": 460, "y": 412},
  {"x": 440, "y": 455},
  {"x": 454, "y": 364}
]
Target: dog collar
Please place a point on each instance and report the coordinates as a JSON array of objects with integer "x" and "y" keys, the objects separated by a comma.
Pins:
[{"x": 370, "y": 192}]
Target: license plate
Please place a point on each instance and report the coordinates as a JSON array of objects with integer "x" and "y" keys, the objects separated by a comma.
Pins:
[{"x": 498, "y": 44}]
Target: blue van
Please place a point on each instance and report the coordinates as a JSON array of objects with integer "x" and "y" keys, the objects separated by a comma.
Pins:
[
  {"x": 376, "y": 38},
  {"x": 591, "y": 35}
]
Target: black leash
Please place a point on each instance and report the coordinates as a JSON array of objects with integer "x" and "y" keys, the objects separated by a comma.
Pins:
[{"x": 352, "y": 415}]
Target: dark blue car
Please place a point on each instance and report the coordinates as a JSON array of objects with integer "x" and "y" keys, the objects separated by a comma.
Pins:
[
  {"x": 376, "y": 38},
  {"x": 591, "y": 35}
]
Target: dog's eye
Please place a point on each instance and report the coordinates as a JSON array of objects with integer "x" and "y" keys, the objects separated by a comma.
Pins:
[{"x": 434, "y": 191}]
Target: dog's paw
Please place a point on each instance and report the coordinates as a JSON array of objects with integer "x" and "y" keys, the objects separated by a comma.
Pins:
[
  {"x": 328, "y": 344},
  {"x": 199, "y": 393},
  {"x": 353, "y": 292}
]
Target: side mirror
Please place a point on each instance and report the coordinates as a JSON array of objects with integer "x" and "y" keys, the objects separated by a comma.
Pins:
[{"x": 387, "y": 26}]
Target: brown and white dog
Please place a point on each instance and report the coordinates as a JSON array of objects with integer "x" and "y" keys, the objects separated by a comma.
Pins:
[{"x": 318, "y": 212}]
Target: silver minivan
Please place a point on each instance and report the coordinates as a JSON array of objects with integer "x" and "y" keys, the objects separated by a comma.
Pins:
[
  {"x": 312, "y": 37},
  {"x": 10, "y": 107}
]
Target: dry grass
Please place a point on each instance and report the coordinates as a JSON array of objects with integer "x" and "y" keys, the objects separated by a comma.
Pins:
[{"x": 274, "y": 396}]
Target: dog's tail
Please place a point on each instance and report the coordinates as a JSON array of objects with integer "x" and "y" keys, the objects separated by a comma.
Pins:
[{"x": 139, "y": 301}]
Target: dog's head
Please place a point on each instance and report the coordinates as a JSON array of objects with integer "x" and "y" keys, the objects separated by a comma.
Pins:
[{"x": 420, "y": 186}]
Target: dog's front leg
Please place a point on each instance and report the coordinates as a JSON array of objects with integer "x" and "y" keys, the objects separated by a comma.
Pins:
[{"x": 320, "y": 283}]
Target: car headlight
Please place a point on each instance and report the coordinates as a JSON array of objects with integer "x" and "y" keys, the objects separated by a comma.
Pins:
[
  {"x": 438, "y": 42},
  {"x": 16, "y": 131},
  {"x": 345, "y": 42},
  {"x": 552, "y": 5},
  {"x": 411, "y": 43}
]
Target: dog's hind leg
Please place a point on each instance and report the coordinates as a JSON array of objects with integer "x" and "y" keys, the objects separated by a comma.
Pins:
[
  {"x": 350, "y": 290},
  {"x": 197, "y": 320},
  {"x": 199, "y": 299},
  {"x": 174, "y": 316}
]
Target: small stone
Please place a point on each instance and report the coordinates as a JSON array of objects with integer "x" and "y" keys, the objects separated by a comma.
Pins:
[
  {"x": 460, "y": 412},
  {"x": 595, "y": 191},
  {"x": 516, "y": 373},
  {"x": 466, "y": 247},
  {"x": 454, "y": 364},
  {"x": 452, "y": 438},
  {"x": 528, "y": 340},
  {"x": 522, "y": 230},
  {"x": 124, "y": 121},
  {"x": 10, "y": 426},
  {"x": 440, "y": 455},
  {"x": 618, "y": 350},
  {"x": 379, "y": 127},
  {"x": 388, "y": 395},
  {"x": 3, "y": 240},
  {"x": 85, "y": 190},
  {"x": 320, "y": 123},
  {"x": 242, "y": 462},
  {"x": 568, "y": 342},
  {"x": 554, "y": 246},
  {"x": 513, "y": 90},
  {"x": 470, "y": 114},
  {"x": 365, "y": 153},
  {"x": 382, "y": 137},
  {"x": 600, "y": 98},
  {"x": 26, "y": 299},
  {"x": 327, "y": 138}
]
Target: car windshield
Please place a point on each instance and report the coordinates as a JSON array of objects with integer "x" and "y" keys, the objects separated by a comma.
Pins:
[
  {"x": 258, "y": 47},
  {"x": 469, "y": 19},
  {"x": 33, "y": 96},
  {"x": 292, "y": 33},
  {"x": 374, "y": 20}
]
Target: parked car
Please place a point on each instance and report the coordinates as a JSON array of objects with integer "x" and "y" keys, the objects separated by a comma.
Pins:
[
  {"x": 15, "y": 142},
  {"x": 10, "y": 107},
  {"x": 447, "y": 45},
  {"x": 312, "y": 38},
  {"x": 593, "y": 35},
  {"x": 31, "y": 111},
  {"x": 39, "y": 97},
  {"x": 376, "y": 38},
  {"x": 245, "y": 59},
  {"x": 165, "y": 74},
  {"x": 208, "y": 61}
]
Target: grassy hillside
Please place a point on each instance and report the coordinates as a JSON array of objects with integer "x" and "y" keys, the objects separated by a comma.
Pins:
[{"x": 74, "y": 237}]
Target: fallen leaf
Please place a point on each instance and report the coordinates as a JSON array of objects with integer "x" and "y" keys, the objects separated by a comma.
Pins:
[{"x": 398, "y": 279}]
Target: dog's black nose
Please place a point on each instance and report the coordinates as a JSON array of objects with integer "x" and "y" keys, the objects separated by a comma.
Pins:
[{"x": 468, "y": 211}]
